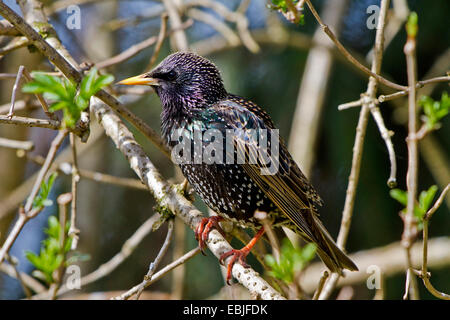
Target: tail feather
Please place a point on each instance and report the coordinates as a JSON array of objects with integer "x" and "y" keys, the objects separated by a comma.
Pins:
[{"x": 333, "y": 257}]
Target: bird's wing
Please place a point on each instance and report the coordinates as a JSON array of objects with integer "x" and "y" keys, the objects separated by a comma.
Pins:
[{"x": 287, "y": 187}]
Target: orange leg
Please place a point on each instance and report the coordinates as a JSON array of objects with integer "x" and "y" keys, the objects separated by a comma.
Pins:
[
  {"x": 203, "y": 229},
  {"x": 240, "y": 255}
]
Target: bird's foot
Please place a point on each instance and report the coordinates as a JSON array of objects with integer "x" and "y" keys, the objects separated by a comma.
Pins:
[
  {"x": 203, "y": 229},
  {"x": 239, "y": 255}
]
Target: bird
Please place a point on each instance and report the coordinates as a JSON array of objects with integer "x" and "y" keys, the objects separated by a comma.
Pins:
[{"x": 195, "y": 102}]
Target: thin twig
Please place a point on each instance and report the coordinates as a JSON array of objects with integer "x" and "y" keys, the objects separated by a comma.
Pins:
[
  {"x": 30, "y": 122},
  {"x": 15, "y": 44},
  {"x": 7, "y": 29},
  {"x": 40, "y": 98},
  {"x": 14, "y": 262},
  {"x": 424, "y": 274},
  {"x": 73, "y": 230},
  {"x": 322, "y": 280},
  {"x": 137, "y": 48},
  {"x": 27, "y": 212},
  {"x": 409, "y": 232},
  {"x": 15, "y": 144},
  {"x": 14, "y": 91},
  {"x": 388, "y": 258},
  {"x": 358, "y": 145},
  {"x": 419, "y": 84},
  {"x": 159, "y": 274},
  {"x": 14, "y": 198},
  {"x": 344, "y": 51},
  {"x": 179, "y": 36},
  {"x": 154, "y": 265},
  {"x": 19, "y": 106},
  {"x": 437, "y": 204},
  {"x": 159, "y": 42},
  {"x": 63, "y": 201},
  {"x": 236, "y": 17},
  {"x": 217, "y": 24},
  {"x": 262, "y": 217},
  {"x": 349, "y": 105}
]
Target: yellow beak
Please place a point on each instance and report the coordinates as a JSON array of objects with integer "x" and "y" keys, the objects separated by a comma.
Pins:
[{"x": 141, "y": 79}]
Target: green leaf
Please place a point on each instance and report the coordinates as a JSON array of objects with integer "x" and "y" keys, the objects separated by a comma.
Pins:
[
  {"x": 309, "y": 251},
  {"x": 87, "y": 84},
  {"x": 434, "y": 111},
  {"x": 64, "y": 93},
  {"x": 292, "y": 261},
  {"x": 45, "y": 83},
  {"x": 412, "y": 25},
  {"x": 41, "y": 199},
  {"x": 101, "y": 82},
  {"x": 51, "y": 254},
  {"x": 425, "y": 200},
  {"x": 399, "y": 195}
]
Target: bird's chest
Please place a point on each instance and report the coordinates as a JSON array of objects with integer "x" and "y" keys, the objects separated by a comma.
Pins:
[{"x": 225, "y": 187}]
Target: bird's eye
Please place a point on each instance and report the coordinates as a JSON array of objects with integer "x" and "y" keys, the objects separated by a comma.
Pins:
[{"x": 171, "y": 75}]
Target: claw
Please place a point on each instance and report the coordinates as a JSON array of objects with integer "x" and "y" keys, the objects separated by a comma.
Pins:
[
  {"x": 204, "y": 228},
  {"x": 239, "y": 255}
]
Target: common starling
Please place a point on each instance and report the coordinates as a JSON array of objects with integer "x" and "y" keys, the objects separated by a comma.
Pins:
[{"x": 194, "y": 100}]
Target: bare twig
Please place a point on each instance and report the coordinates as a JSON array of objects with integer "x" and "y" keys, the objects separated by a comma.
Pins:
[
  {"x": 14, "y": 91},
  {"x": 63, "y": 201},
  {"x": 348, "y": 105},
  {"x": 409, "y": 232},
  {"x": 344, "y": 51},
  {"x": 236, "y": 17},
  {"x": 19, "y": 106},
  {"x": 73, "y": 230},
  {"x": 15, "y": 144},
  {"x": 390, "y": 259},
  {"x": 154, "y": 265},
  {"x": 27, "y": 212},
  {"x": 262, "y": 217},
  {"x": 159, "y": 274},
  {"x": 437, "y": 204},
  {"x": 7, "y": 29},
  {"x": 159, "y": 42},
  {"x": 179, "y": 37},
  {"x": 13, "y": 261},
  {"x": 217, "y": 24},
  {"x": 358, "y": 145},
  {"x": 13, "y": 199},
  {"x": 30, "y": 122},
  {"x": 15, "y": 44},
  {"x": 310, "y": 100},
  {"x": 40, "y": 98},
  {"x": 419, "y": 84},
  {"x": 138, "y": 47},
  {"x": 424, "y": 274},
  {"x": 319, "y": 289}
]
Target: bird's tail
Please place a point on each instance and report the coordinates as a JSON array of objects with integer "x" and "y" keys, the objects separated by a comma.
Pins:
[{"x": 333, "y": 257}]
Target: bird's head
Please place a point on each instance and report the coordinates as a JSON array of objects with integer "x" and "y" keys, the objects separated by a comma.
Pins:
[{"x": 183, "y": 80}]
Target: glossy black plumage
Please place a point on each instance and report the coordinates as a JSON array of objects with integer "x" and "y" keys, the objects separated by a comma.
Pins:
[{"x": 194, "y": 98}]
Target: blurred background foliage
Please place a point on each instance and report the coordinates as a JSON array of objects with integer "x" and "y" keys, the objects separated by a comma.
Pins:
[{"x": 108, "y": 215}]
